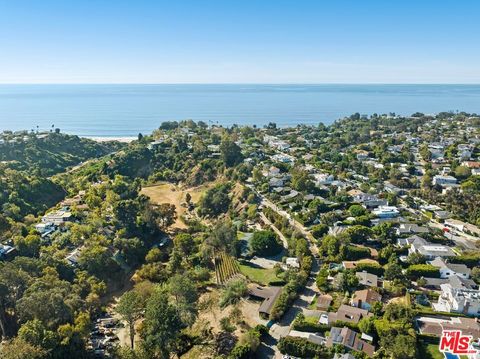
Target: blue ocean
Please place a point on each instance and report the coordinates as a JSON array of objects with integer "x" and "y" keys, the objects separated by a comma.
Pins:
[{"x": 126, "y": 110}]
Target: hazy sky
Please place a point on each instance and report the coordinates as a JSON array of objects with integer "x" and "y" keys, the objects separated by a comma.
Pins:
[{"x": 239, "y": 41}]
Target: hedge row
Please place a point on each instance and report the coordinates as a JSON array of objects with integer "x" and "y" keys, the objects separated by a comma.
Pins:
[
  {"x": 300, "y": 347},
  {"x": 306, "y": 326},
  {"x": 289, "y": 293}
]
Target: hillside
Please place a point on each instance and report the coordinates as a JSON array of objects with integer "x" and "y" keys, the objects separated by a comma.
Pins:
[{"x": 49, "y": 153}]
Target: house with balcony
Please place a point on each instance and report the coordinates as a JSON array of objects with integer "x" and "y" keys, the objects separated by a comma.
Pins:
[{"x": 458, "y": 300}]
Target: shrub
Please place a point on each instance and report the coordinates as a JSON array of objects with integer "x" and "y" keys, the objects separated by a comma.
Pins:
[
  {"x": 303, "y": 325},
  {"x": 373, "y": 268},
  {"x": 422, "y": 270},
  {"x": 319, "y": 230},
  {"x": 300, "y": 347},
  {"x": 470, "y": 260},
  {"x": 288, "y": 295},
  {"x": 265, "y": 243},
  {"x": 354, "y": 253},
  {"x": 240, "y": 352}
]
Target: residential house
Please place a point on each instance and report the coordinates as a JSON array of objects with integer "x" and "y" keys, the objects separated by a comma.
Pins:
[
  {"x": 44, "y": 227},
  {"x": 458, "y": 300},
  {"x": 269, "y": 296},
  {"x": 464, "y": 151},
  {"x": 407, "y": 242},
  {"x": 349, "y": 314},
  {"x": 362, "y": 155},
  {"x": 367, "y": 279},
  {"x": 6, "y": 251},
  {"x": 392, "y": 188},
  {"x": 386, "y": 212},
  {"x": 349, "y": 339},
  {"x": 322, "y": 179},
  {"x": 369, "y": 201},
  {"x": 365, "y": 298},
  {"x": 430, "y": 250},
  {"x": 411, "y": 228},
  {"x": 57, "y": 217},
  {"x": 432, "y": 325},
  {"x": 450, "y": 269},
  {"x": 311, "y": 337},
  {"x": 73, "y": 257},
  {"x": 272, "y": 172},
  {"x": 454, "y": 281},
  {"x": 284, "y": 158},
  {"x": 292, "y": 262},
  {"x": 324, "y": 301},
  {"x": 442, "y": 215},
  {"x": 155, "y": 144},
  {"x": 276, "y": 182},
  {"x": 462, "y": 226},
  {"x": 343, "y": 356},
  {"x": 444, "y": 181},
  {"x": 471, "y": 164}
]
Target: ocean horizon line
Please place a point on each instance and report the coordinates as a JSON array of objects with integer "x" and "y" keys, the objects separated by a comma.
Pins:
[{"x": 246, "y": 83}]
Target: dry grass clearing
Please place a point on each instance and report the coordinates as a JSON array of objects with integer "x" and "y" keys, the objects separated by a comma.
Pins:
[{"x": 170, "y": 193}]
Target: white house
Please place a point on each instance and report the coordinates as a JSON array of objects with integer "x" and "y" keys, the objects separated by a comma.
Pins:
[
  {"x": 450, "y": 269},
  {"x": 444, "y": 180},
  {"x": 458, "y": 300},
  {"x": 57, "y": 217},
  {"x": 386, "y": 212},
  {"x": 284, "y": 158},
  {"x": 44, "y": 227},
  {"x": 462, "y": 226},
  {"x": 430, "y": 250},
  {"x": 292, "y": 262},
  {"x": 323, "y": 178}
]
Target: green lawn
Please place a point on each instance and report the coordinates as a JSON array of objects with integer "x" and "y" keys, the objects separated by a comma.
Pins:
[
  {"x": 429, "y": 351},
  {"x": 259, "y": 275},
  {"x": 313, "y": 305}
]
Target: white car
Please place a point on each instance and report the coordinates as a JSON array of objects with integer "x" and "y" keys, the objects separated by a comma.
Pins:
[{"x": 323, "y": 319}]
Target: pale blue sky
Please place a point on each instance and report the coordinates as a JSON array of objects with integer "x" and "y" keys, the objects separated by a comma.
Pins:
[{"x": 239, "y": 41}]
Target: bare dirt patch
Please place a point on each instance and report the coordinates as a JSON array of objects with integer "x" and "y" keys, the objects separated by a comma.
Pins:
[{"x": 170, "y": 193}]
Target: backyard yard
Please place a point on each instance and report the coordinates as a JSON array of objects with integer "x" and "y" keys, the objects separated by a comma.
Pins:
[{"x": 258, "y": 274}]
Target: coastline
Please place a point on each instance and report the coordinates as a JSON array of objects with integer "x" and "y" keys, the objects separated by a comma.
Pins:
[{"x": 125, "y": 139}]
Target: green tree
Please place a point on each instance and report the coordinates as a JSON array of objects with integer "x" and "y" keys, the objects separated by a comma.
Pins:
[
  {"x": 166, "y": 215},
  {"x": 462, "y": 172},
  {"x": 161, "y": 326},
  {"x": 231, "y": 152},
  {"x": 357, "y": 210},
  {"x": 184, "y": 243},
  {"x": 319, "y": 230},
  {"x": 301, "y": 180},
  {"x": 19, "y": 348},
  {"x": 393, "y": 271},
  {"x": 233, "y": 292},
  {"x": 130, "y": 307},
  {"x": 223, "y": 238},
  {"x": 183, "y": 289},
  {"x": 322, "y": 278},
  {"x": 215, "y": 201},
  {"x": 265, "y": 243},
  {"x": 28, "y": 246}
]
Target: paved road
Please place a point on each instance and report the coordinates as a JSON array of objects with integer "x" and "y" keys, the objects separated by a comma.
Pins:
[{"x": 459, "y": 238}]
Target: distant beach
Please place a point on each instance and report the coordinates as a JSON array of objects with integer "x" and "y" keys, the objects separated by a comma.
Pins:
[
  {"x": 123, "y": 111},
  {"x": 126, "y": 139}
]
